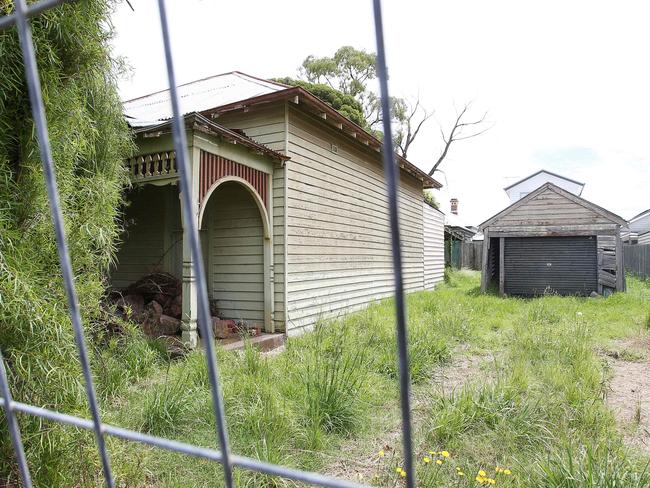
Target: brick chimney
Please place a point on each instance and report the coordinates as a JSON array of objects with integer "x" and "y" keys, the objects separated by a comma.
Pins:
[{"x": 454, "y": 205}]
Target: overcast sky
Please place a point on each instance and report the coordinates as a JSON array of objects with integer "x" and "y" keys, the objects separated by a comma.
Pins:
[{"x": 566, "y": 84}]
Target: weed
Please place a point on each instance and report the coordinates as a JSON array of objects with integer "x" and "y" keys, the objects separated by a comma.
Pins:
[
  {"x": 333, "y": 376},
  {"x": 165, "y": 407},
  {"x": 339, "y": 382},
  {"x": 604, "y": 466}
]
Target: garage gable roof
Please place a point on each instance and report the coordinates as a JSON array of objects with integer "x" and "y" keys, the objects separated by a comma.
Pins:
[{"x": 563, "y": 193}]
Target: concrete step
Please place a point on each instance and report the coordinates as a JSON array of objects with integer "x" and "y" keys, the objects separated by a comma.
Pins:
[{"x": 264, "y": 342}]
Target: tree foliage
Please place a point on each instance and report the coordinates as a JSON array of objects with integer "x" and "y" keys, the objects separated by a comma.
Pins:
[
  {"x": 348, "y": 73},
  {"x": 346, "y": 104},
  {"x": 89, "y": 140},
  {"x": 430, "y": 199}
]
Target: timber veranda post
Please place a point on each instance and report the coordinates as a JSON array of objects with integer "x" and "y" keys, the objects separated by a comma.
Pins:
[{"x": 189, "y": 327}]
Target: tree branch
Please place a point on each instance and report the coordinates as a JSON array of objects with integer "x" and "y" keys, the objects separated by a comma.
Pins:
[{"x": 456, "y": 134}]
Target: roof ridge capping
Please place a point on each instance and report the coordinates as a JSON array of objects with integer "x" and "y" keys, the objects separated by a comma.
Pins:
[
  {"x": 239, "y": 74},
  {"x": 553, "y": 187},
  {"x": 542, "y": 171},
  {"x": 257, "y": 79},
  {"x": 275, "y": 92}
]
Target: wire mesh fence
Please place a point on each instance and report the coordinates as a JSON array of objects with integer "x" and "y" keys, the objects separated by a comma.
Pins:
[{"x": 20, "y": 19}]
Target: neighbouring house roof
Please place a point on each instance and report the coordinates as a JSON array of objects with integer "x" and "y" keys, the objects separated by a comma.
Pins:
[
  {"x": 640, "y": 223},
  {"x": 540, "y": 172},
  {"x": 456, "y": 225},
  {"x": 568, "y": 195},
  {"x": 645, "y": 213},
  {"x": 202, "y": 124},
  {"x": 226, "y": 92}
]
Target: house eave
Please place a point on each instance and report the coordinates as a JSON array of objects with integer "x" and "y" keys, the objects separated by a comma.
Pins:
[
  {"x": 302, "y": 98},
  {"x": 202, "y": 124}
]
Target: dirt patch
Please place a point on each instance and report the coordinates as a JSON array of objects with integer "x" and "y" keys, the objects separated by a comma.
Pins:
[
  {"x": 358, "y": 459},
  {"x": 463, "y": 370},
  {"x": 629, "y": 390}
]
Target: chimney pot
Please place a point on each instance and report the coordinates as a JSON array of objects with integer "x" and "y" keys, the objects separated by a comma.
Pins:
[{"x": 454, "y": 205}]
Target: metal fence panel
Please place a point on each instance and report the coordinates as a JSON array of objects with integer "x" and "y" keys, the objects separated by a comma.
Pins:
[{"x": 19, "y": 18}]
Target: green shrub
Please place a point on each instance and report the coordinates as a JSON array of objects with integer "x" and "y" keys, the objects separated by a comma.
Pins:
[{"x": 89, "y": 140}]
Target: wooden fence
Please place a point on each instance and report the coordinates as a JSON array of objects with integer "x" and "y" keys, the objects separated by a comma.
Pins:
[
  {"x": 637, "y": 259},
  {"x": 472, "y": 255}
]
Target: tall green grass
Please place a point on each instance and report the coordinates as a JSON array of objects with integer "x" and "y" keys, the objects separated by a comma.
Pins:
[
  {"x": 297, "y": 407},
  {"x": 541, "y": 412},
  {"x": 537, "y": 408}
]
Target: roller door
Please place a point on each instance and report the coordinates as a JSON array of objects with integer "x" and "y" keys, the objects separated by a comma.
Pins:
[{"x": 563, "y": 265}]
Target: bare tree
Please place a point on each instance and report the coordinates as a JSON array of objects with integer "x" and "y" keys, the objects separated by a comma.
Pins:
[
  {"x": 413, "y": 118},
  {"x": 460, "y": 131}
]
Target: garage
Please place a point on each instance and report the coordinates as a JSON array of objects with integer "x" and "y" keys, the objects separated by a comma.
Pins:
[
  {"x": 566, "y": 265},
  {"x": 553, "y": 241}
]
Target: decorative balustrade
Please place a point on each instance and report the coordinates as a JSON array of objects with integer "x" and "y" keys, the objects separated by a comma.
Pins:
[{"x": 152, "y": 166}]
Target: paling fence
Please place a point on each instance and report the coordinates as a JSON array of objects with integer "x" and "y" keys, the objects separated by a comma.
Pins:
[
  {"x": 472, "y": 255},
  {"x": 19, "y": 19},
  {"x": 460, "y": 254},
  {"x": 637, "y": 259}
]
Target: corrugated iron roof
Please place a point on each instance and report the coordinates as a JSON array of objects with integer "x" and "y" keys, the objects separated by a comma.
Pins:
[
  {"x": 198, "y": 96},
  {"x": 212, "y": 95}
]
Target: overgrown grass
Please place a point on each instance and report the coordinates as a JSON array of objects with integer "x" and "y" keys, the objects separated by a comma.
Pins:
[
  {"x": 539, "y": 412},
  {"x": 542, "y": 413}
]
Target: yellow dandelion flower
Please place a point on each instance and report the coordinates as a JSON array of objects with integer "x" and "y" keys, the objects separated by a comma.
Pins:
[
  {"x": 381, "y": 453},
  {"x": 480, "y": 479},
  {"x": 482, "y": 474},
  {"x": 507, "y": 471},
  {"x": 398, "y": 470},
  {"x": 444, "y": 453},
  {"x": 402, "y": 474},
  {"x": 491, "y": 481},
  {"x": 438, "y": 462},
  {"x": 460, "y": 473},
  {"x": 426, "y": 460}
]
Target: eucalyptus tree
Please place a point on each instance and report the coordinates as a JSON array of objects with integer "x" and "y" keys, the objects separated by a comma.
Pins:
[{"x": 350, "y": 73}]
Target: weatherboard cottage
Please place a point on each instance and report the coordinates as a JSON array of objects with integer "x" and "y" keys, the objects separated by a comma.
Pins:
[{"x": 290, "y": 200}]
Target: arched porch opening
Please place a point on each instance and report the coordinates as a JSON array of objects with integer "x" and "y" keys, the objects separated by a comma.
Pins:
[{"x": 237, "y": 251}]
